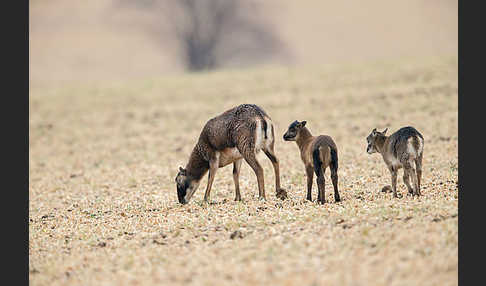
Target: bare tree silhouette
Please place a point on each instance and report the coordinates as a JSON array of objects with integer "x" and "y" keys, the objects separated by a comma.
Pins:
[
  {"x": 215, "y": 33},
  {"x": 203, "y": 31}
]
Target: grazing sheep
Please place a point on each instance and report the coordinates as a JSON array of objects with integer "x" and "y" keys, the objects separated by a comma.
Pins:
[{"x": 237, "y": 134}]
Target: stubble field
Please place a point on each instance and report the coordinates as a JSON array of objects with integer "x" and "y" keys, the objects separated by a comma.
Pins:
[{"x": 103, "y": 156}]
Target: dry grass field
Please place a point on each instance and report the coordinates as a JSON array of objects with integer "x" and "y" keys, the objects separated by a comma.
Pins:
[{"x": 103, "y": 156}]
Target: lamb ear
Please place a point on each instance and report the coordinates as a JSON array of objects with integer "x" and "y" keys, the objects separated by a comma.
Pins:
[
  {"x": 181, "y": 169},
  {"x": 374, "y": 131},
  {"x": 384, "y": 131},
  {"x": 303, "y": 123}
]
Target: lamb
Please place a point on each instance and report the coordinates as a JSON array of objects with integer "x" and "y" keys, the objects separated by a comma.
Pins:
[
  {"x": 317, "y": 153},
  {"x": 403, "y": 148}
]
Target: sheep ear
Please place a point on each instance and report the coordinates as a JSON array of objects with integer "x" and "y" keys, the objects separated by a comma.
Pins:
[
  {"x": 374, "y": 131},
  {"x": 181, "y": 169},
  {"x": 303, "y": 123},
  {"x": 384, "y": 131}
]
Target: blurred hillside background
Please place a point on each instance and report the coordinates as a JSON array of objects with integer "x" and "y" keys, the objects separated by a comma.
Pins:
[{"x": 121, "y": 39}]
